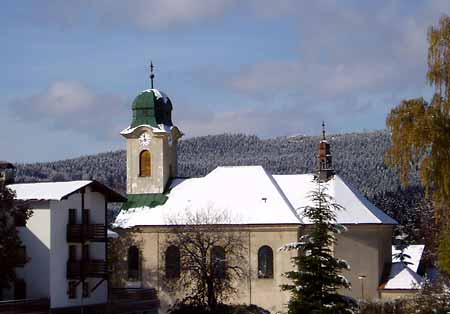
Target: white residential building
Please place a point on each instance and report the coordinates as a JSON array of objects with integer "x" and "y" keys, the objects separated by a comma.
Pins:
[{"x": 65, "y": 241}]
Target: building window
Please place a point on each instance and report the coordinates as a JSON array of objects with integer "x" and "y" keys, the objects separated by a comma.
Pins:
[
  {"x": 72, "y": 216},
  {"x": 218, "y": 261},
  {"x": 72, "y": 290},
  {"x": 86, "y": 292},
  {"x": 21, "y": 257},
  {"x": 265, "y": 262},
  {"x": 20, "y": 289},
  {"x": 72, "y": 253},
  {"x": 85, "y": 217},
  {"x": 145, "y": 164},
  {"x": 172, "y": 262},
  {"x": 85, "y": 252},
  {"x": 133, "y": 263},
  {"x": 19, "y": 218}
]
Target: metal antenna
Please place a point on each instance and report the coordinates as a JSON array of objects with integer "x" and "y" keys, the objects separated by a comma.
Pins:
[
  {"x": 323, "y": 130},
  {"x": 152, "y": 75}
]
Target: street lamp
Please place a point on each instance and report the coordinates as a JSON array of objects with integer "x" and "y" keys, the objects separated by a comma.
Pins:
[{"x": 362, "y": 277}]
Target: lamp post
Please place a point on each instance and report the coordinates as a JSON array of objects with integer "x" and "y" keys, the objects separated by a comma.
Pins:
[{"x": 362, "y": 277}]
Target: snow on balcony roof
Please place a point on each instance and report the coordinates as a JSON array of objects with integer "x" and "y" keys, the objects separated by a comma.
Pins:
[
  {"x": 248, "y": 194},
  {"x": 402, "y": 277},
  {"x": 59, "y": 190},
  {"x": 415, "y": 252},
  {"x": 357, "y": 209}
]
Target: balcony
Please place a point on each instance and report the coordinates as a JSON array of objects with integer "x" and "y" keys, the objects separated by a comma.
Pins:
[
  {"x": 88, "y": 268},
  {"x": 80, "y": 233}
]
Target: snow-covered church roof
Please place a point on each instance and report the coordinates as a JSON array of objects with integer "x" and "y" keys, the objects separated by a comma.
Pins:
[
  {"x": 357, "y": 209},
  {"x": 251, "y": 195}
]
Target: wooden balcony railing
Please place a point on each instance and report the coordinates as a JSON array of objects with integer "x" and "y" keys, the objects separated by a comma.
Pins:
[
  {"x": 78, "y": 233},
  {"x": 89, "y": 268}
]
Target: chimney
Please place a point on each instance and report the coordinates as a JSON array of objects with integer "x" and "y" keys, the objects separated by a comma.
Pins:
[{"x": 325, "y": 162}]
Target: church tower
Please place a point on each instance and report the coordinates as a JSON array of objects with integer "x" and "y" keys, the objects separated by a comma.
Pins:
[
  {"x": 325, "y": 163},
  {"x": 151, "y": 143}
]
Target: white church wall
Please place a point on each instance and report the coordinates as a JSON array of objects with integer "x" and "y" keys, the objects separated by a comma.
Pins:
[
  {"x": 365, "y": 248},
  {"x": 266, "y": 292}
]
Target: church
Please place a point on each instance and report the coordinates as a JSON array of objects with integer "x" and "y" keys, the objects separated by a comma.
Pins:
[{"x": 267, "y": 208}]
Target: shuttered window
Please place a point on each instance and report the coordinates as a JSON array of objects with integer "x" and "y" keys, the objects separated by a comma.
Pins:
[{"x": 145, "y": 164}]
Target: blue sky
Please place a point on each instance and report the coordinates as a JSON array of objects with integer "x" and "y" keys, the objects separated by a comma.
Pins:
[{"x": 70, "y": 69}]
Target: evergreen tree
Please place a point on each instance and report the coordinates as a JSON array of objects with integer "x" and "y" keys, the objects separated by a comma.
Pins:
[
  {"x": 402, "y": 242},
  {"x": 9, "y": 239},
  {"x": 421, "y": 132},
  {"x": 317, "y": 277}
]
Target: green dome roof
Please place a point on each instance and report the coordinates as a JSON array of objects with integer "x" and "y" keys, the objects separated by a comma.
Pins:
[
  {"x": 152, "y": 107},
  {"x": 145, "y": 100}
]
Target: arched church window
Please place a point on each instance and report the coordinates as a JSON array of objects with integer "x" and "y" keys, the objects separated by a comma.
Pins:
[
  {"x": 172, "y": 262},
  {"x": 145, "y": 164},
  {"x": 265, "y": 262},
  {"x": 133, "y": 263},
  {"x": 218, "y": 261}
]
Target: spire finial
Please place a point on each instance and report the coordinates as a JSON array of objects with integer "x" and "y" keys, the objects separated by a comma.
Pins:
[
  {"x": 152, "y": 75},
  {"x": 323, "y": 130}
]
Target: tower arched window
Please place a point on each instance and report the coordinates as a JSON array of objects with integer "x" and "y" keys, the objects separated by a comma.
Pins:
[
  {"x": 172, "y": 262},
  {"x": 265, "y": 262},
  {"x": 145, "y": 164},
  {"x": 133, "y": 263},
  {"x": 218, "y": 261}
]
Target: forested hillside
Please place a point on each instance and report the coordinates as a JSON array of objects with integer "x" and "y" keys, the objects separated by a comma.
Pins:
[{"x": 357, "y": 157}]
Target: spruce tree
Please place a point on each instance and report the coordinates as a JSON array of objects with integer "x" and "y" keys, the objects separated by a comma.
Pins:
[
  {"x": 402, "y": 243},
  {"x": 316, "y": 277}
]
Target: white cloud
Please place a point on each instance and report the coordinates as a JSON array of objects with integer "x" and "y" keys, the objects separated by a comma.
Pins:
[
  {"x": 63, "y": 98},
  {"x": 74, "y": 106},
  {"x": 346, "y": 50}
]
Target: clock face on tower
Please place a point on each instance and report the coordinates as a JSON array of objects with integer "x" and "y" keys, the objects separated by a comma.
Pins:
[{"x": 144, "y": 139}]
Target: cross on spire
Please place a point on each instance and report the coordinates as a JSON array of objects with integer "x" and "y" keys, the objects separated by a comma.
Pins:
[{"x": 152, "y": 75}]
